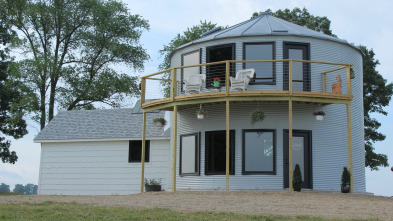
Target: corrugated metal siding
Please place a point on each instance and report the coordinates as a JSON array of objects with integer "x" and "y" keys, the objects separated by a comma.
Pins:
[
  {"x": 329, "y": 137},
  {"x": 97, "y": 168}
]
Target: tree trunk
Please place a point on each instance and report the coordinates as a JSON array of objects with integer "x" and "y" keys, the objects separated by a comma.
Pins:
[
  {"x": 43, "y": 109},
  {"x": 52, "y": 99}
]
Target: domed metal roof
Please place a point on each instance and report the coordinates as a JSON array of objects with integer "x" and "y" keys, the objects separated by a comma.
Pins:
[{"x": 263, "y": 25}]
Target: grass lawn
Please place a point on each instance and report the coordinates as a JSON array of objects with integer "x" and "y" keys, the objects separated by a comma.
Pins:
[{"x": 75, "y": 211}]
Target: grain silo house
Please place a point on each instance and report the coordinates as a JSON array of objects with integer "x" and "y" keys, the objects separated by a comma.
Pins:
[{"x": 246, "y": 104}]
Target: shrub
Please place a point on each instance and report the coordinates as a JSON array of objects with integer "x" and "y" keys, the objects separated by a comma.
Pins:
[
  {"x": 345, "y": 178},
  {"x": 297, "y": 179}
]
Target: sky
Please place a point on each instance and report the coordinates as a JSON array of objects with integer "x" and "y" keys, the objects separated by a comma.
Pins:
[{"x": 361, "y": 22}]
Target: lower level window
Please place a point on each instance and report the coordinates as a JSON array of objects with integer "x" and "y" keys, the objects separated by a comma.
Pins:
[
  {"x": 135, "y": 151},
  {"x": 215, "y": 152},
  {"x": 259, "y": 152}
]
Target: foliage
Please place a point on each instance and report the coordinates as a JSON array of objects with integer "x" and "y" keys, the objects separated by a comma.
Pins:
[
  {"x": 377, "y": 92},
  {"x": 345, "y": 178},
  {"x": 159, "y": 120},
  {"x": 190, "y": 34},
  {"x": 11, "y": 111},
  {"x": 4, "y": 187},
  {"x": 201, "y": 112},
  {"x": 376, "y": 95},
  {"x": 152, "y": 181},
  {"x": 319, "y": 112},
  {"x": 71, "y": 48},
  {"x": 257, "y": 116},
  {"x": 19, "y": 188},
  {"x": 303, "y": 18},
  {"x": 75, "y": 211},
  {"x": 297, "y": 179},
  {"x": 31, "y": 189}
]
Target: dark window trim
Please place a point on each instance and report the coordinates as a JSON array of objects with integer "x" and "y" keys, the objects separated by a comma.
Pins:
[
  {"x": 309, "y": 132},
  {"x": 231, "y": 150},
  {"x": 197, "y": 154},
  {"x": 306, "y": 66},
  {"x": 232, "y": 70},
  {"x": 273, "y": 63},
  {"x": 182, "y": 64},
  {"x": 274, "y": 172},
  {"x": 147, "y": 152}
]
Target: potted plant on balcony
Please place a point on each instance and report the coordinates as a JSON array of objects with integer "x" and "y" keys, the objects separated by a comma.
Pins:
[
  {"x": 345, "y": 181},
  {"x": 216, "y": 82},
  {"x": 159, "y": 121},
  {"x": 201, "y": 113},
  {"x": 319, "y": 114},
  {"x": 152, "y": 185},
  {"x": 256, "y": 116},
  {"x": 297, "y": 179}
]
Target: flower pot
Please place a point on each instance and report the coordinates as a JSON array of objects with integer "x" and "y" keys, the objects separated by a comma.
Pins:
[
  {"x": 319, "y": 117},
  {"x": 151, "y": 188},
  {"x": 345, "y": 189},
  {"x": 216, "y": 84},
  {"x": 200, "y": 116},
  {"x": 297, "y": 188},
  {"x": 158, "y": 124}
]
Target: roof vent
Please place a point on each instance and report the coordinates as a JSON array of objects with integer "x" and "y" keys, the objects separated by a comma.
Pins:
[
  {"x": 266, "y": 13},
  {"x": 216, "y": 29}
]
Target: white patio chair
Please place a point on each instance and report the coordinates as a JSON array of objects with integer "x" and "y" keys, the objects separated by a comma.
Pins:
[
  {"x": 194, "y": 83},
  {"x": 242, "y": 79}
]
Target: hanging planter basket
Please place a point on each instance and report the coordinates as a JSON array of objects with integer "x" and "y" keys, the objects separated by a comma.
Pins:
[
  {"x": 159, "y": 122},
  {"x": 201, "y": 113},
  {"x": 319, "y": 115},
  {"x": 257, "y": 116},
  {"x": 200, "y": 116}
]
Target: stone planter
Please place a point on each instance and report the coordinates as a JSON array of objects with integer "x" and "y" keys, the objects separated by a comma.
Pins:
[{"x": 152, "y": 188}]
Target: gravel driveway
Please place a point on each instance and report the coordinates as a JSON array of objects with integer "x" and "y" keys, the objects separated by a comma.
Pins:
[{"x": 328, "y": 205}]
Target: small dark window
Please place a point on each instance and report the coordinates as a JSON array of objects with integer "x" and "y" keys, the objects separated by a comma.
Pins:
[
  {"x": 189, "y": 154},
  {"x": 135, "y": 151},
  {"x": 264, "y": 71},
  {"x": 215, "y": 54},
  {"x": 259, "y": 152},
  {"x": 215, "y": 152}
]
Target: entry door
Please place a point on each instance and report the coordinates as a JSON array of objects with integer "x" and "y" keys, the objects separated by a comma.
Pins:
[
  {"x": 301, "y": 80},
  {"x": 301, "y": 154}
]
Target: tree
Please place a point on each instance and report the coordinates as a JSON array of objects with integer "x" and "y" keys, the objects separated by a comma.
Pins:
[
  {"x": 19, "y": 188},
  {"x": 189, "y": 35},
  {"x": 30, "y": 189},
  {"x": 377, "y": 93},
  {"x": 11, "y": 113},
  {"x": 71, "y": 48},
  {"x": 4, "y": 187}
]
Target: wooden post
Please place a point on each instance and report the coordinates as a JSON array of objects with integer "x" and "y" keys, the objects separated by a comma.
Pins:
[
  {"x": 290, "y": 145},
  {"x": 324, "y": 82},
  {"x": 174, "y": 85},
  {"x": 174, "y": 137},
  {"x": 227, "y": 70},
  {"x": 349, "y": 128},
  {"x": 143, "y": 91},
  {"x": 227, "y": 147},
  {"x": 290, "y": 77},
  {"x": 143, "y": 150},
  {"x": 349, "y": 86}
]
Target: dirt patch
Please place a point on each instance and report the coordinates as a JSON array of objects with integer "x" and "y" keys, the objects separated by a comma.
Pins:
[{"x": 328, "y": 205}]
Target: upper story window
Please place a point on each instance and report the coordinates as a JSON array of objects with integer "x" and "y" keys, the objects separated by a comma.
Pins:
[
  {"x": 264, "y": 71},
  {"x": 190, "y": 58}
]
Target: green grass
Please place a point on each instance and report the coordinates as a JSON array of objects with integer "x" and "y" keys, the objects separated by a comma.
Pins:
[{"x": 74, "y": 211}]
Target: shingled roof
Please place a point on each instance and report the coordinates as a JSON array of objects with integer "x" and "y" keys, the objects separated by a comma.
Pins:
[{"x": 104, "y": 124}]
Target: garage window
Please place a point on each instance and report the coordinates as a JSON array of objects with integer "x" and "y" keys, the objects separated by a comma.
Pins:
[{"x": 135, "y": 151}]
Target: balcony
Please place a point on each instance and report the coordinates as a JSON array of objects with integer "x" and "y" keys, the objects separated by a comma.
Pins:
[{"x": 274, "y": 80}]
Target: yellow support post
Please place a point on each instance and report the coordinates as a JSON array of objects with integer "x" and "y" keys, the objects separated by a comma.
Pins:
[
  {"x": 349, "y": 87},
  {"x": 227, "y": 147},
  {"x": 174, "y": 85},
  {"x": 143, "y": 150},
  {"x": 143, "y": 91},
  {"x": 290, "y": 77},
  {"x": 349, "y": 128},
  {"x": 227, "y": 70},
  {"x": 174, "y": 137},
  {"x": 324, "y": 82},
  {"x": 290, "y": 145}
]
